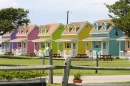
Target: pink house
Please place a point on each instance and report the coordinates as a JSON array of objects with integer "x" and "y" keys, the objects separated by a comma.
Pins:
[{"x": 24, "y": 39}]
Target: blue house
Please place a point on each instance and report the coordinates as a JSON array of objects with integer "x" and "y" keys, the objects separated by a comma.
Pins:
[{"x": 103, "y": 38}]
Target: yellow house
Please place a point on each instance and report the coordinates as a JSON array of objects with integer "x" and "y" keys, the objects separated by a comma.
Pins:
[{"x": 72, "y": 39}]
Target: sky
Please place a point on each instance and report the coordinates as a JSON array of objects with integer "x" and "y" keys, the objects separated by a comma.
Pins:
[{"x": 43, "y": 12}]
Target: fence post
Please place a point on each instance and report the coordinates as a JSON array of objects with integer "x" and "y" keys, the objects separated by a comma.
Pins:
[
  {"x": 66, "y": 71},
  {"x": 96, "y": 71},
  {"x": 50, "y": 81},
  {"x": 43, "y": 62}
]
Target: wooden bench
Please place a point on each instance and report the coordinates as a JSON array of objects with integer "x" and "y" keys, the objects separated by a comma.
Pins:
[
  {"x": 56, "y": 55},
  {"x": 81, "y": 56},
  {"x": 31, "y": 54},
  {"x": 8, "y": 53},
  {"x": 105, "y": 57}
]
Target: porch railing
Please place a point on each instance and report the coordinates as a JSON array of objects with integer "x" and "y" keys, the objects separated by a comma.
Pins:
[{"x": 124, "y": 54}]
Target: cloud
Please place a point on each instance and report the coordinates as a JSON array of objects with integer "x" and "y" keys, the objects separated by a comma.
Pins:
[
  {"x": 48, "y": 11},
  {"x": 8, "y": 3}
]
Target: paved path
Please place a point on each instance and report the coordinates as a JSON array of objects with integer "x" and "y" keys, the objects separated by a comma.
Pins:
[{"x": 95, "y": 79}]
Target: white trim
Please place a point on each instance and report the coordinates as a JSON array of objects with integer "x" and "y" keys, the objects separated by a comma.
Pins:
[
  {"x": 45, "y": 34},
  {"x": 68, "y": 34},
  {"x": 96, "y": 39},
  {"x": 99, "y": 33}
]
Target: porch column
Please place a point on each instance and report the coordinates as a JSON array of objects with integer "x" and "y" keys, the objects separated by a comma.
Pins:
[
  {"x": 4, "y": 47},
  {"x": 58, "y": 47},
  {"x": 21, "y": 48},
  {"x": 12, "y": 46},
  {"x": 34, "y": 45},
  {"x": 102, "y": 47},
  {"x": 119, "y": 48}
]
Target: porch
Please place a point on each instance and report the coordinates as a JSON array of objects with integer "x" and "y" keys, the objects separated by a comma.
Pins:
[
  {"x": 21, "y": 46},
  {"x": 44, "y": 43},
  {"x": 124, "y": 54},
  {"x": 69, "y": 47},
  {"x": 93, "y": 53}
]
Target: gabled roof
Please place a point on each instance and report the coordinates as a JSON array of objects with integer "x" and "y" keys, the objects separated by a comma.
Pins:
[
  {"x": 50, "y": 29},
  {"x": 101, "y": 30},
  {"x": 25, "y": 30},
  {"x": 79, "y": 26}
]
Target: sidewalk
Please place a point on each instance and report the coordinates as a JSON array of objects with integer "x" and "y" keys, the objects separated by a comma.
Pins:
[{"x": 95, "y": 79}]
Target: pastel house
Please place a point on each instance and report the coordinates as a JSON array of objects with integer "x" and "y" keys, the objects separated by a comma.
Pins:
[
  {"x": 104, "y": 38},
  {"x": 24, "y": 38},
  {"x": 47, "y": 35},
  {"x": 6, "y": 46},
  {"x": 124, "y": 47},
  {"x": 72, "y": 39}
]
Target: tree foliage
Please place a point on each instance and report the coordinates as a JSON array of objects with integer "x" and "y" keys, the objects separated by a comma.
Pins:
[
  {"x": 12, "y": 18},
  {"x": 121, "y": 17}
]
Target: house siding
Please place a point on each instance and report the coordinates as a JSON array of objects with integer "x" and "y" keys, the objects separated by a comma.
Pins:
[
  {"x": 31, "y": 36},
  {"x": 82, "y": 35},
  {"x": 113, "y": 48},
  {"x": 57, "y": 35},
  {"x": 114, "y": 51}
]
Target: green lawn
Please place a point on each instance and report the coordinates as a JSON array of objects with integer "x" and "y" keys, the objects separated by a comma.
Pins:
[{"x": 114, "y": 63}]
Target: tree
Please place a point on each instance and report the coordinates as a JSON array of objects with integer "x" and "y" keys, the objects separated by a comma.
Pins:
[
  {"x": 11, "y": 18},
  {"x": 121, "y": 17}
]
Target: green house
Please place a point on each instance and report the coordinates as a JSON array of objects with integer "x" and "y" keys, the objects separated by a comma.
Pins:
[{"x": 47, "y": 35}]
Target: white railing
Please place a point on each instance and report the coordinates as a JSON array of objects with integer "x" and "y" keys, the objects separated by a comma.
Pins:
[
  {"x": 60, "y": 52},
  {"x": 18, "y": 52},
  {"x": 124, "y": 54},
  {"x": 14, "y": 51},
  {"x": 2, "y": 51},
  {"x": 41, "y": 53},
  {"x": 36, "y": 52},
  {"x": 89, "y": 53}
]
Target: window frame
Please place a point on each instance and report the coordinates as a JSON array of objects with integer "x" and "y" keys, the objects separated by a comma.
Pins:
[
  {"x": 128, "y": 44},
  {"x": 97, "y": 44},
  {"x": 67, "y": 45}
]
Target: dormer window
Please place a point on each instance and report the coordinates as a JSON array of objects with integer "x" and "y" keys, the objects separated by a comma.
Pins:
[
  {"x": 67, "y": 28},
  {"x": 104, "y": 26},
  {"x": 24, "y": 30},
  {"x": 73, "y": 27},
  {"x": 95, "y": 26},
  {"x": 41, "y": 30},
  {"x": 45, "y": 30}
]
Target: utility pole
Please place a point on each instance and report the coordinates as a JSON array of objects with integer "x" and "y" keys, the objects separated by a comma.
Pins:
[{"x": 67, "y": 16}]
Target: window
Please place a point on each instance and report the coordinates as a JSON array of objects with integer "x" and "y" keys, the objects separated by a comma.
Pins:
[
  {"x": 103, "y": 26},
  {"x": 43, "y": 45},
  {"x": 96, "y": 45},
  {"x": 41, "y": 30},
  {"x": 19, "y": 44},
  {"x": 96, "y": 26},
  {"x": 86, "y": 43},
  {"x": 67, "y": 45},
  {"x": 128, "y": 44}
]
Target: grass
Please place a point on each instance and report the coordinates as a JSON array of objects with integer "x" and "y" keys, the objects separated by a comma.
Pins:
[{"x": 114, "y": 63}]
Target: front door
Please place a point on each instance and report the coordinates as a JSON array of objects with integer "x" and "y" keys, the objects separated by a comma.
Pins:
[
  {"x": 104, "y": 48},
  {"x": 74, "y": 51},
  {"x": 7, "y": 46},
  {"x": 24, "y": 48}
]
